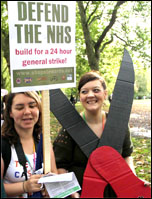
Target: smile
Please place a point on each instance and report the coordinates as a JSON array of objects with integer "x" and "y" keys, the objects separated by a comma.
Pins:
[
  {"x": 92, "y": 102},
  {"x": 27, "y": 119}
]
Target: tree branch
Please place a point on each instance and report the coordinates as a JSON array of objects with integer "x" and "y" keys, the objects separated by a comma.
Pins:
[
  {"x": 88, "y": 40},
  {"x": 94, "y": 18},
  {"x": 121, "y": 39},
  {"x": 92, "y": 14},
  {"x": 106, "y": 43},
  {"x": 87, "y": 6},
  {"x": 112, "y": 21}
]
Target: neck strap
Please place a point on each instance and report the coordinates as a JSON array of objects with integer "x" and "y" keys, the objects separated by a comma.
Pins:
[{"x": 21, "y": 156}]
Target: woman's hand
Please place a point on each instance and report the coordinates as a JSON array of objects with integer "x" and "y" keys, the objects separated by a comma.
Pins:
[
  {"x": 146, "y": 183},
  {"x": 75, "y": 195},
  {"x": 45, "y": 193},
  {"x": 32, "y": 185}
]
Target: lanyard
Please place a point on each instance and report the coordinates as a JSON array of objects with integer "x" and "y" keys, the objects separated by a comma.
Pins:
[{"x": 34, "y": 159}]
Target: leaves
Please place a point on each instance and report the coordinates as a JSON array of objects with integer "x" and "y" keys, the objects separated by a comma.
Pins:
[
  {"x": 132, "y": 29},
  {"x": 142, "y": 157},
  {"x": 129, "y": 28}
]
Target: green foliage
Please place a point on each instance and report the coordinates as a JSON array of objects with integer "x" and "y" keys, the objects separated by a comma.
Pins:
[
  {"x": 4, "y": 17},
  {"x": 5, "y": 77},
  {"x": 141, "y": 86},
  {"x": 71, "y": 91},
  {"x": 110, "y": 64},
  {"x": 131, "y": 29},
  {"x": 142, "y": 82},
  {"x": 5, "y": 73}
]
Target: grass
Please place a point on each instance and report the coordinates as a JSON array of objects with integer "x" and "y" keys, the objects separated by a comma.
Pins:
[{"x": 141, "y": 154}]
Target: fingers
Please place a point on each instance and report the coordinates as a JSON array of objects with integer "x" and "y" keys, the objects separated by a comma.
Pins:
[
  {"x": 45, "y": 193},
  {"x": 32, "y": 184},
  {"x": 146, "y": 184},
  {"x": 42, "y": 187},
  {"x": 75, "y": 195}
]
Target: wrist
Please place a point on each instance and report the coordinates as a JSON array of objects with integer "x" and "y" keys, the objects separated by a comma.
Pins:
[{"x": 24, "y": 187}]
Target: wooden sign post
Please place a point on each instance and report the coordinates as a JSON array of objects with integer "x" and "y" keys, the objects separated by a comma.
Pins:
[
  {"x": 46, "y": 131},
  {"x": 42, "y": 53}
]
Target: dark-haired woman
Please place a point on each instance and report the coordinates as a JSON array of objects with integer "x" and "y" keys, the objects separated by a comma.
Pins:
[{"x": 69, "y": 157}]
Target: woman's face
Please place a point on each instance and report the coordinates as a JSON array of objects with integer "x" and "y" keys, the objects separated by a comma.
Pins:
[
  {"x": 92, "y": 95},
  {"x": 24, "y": 111}
]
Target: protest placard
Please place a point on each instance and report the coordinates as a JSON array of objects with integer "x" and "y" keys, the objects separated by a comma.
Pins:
[
  {"x": 42, "y": 52},
  {"x": 42, "y": 44}
]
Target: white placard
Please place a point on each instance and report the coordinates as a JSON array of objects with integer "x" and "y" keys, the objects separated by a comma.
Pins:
[{"x": 42, "y": 44}]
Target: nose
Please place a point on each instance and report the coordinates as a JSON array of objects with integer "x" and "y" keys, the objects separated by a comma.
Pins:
[
  {"x": 90, "y": 93},
  {"x": 27, "y": 111}
]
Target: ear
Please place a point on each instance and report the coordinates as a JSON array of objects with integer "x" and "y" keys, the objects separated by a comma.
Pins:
[
  {"x": 11, "y": 115},
  {"x": 105, "y": 94}
]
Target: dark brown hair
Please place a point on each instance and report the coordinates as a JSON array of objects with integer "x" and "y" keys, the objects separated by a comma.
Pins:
[
  {"x": 91, "y": 76},
  {"x": 8, "y": 130}
]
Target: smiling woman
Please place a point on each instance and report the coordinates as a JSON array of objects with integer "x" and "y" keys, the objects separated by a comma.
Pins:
[
  {"x": 17, "y": 105},
  {"x": 21, "y": 133},
  {"x": 69, "y": 156},
  {"x": 25, "y": 112},
  {"x": 92, "y": 91}
]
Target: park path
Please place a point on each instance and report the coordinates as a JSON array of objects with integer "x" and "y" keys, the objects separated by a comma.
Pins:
[{"x": 140, "y": 118}]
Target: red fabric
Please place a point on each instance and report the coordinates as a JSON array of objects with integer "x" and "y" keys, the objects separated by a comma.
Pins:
[{"x": 106, "y": 164}]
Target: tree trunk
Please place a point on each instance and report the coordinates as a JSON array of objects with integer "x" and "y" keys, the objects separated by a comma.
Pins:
[
  {"x": 93, "y": 49},
  {"x": 92, "y": 59}
]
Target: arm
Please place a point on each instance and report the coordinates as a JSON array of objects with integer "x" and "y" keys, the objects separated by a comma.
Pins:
[
  {"x": 53, "y": 163},
  {"x": 53, "y": 170},
  {"x": 127, "y": 150},
  {"x": 63, "y": 148},
  {"x": 61, "y": 170},
  {"x": 129, "y": 161},
  {"x": 2, "y": 167},
  {"x": 19, "y": 188},
  {"x": 14, "y": 188}
]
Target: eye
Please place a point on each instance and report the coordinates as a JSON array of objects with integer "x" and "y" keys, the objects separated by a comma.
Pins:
[
  {"x": 96, "y": 90},
  {"x": 33, "y": 105},
  {"x": 84, "y": 92},
  {"x": 19, "y": 108}
]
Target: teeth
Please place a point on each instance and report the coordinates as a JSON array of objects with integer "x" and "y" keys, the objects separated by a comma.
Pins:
[{"x": 92, "y": 102}]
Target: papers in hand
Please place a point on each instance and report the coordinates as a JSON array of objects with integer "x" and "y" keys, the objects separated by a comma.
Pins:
[
  {"x": 56, "y": 178},
  {"x": 61, "y": 185}
]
